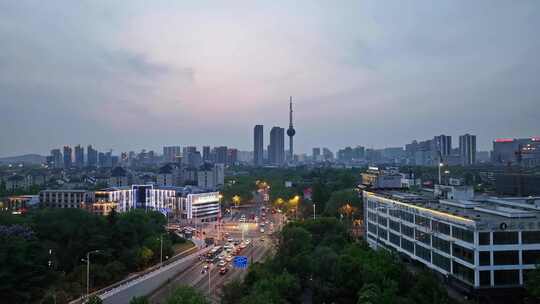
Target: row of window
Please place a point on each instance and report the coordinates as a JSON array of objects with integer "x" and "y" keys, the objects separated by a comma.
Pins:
[
  {"x": 509, "y": 237},
  {"x": 509, "y": 257}
]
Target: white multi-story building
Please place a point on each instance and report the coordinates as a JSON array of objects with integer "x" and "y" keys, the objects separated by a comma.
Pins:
[
  {"x": 64, "y": 198},
  {"x": 478, "y": 244}
]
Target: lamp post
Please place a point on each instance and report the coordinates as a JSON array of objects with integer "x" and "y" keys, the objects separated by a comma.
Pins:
[
  {"x": 161, "y": 250},
  {"x": 88, "y": 271},
  {"x": 313, "y": 211}
]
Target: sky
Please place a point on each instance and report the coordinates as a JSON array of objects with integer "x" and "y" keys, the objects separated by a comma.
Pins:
[{"x": 128, "y": 75}]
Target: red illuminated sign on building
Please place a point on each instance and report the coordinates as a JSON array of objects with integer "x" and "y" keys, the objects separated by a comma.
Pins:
[{"x": 503, "y": 140}]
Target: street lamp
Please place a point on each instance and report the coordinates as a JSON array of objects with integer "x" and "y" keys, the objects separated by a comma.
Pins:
[
  {"x": 88, "y": 270},
  {"x": 313, "y": 211},
  {"x": 236, "y": 200}
]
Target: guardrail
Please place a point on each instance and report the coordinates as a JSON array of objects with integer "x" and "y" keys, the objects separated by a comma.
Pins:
[{"x": 134, "y": 277}]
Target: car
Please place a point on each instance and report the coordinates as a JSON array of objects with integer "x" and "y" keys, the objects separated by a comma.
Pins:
[
  {"x": 262, "y": 230},
  {"x": 222, "y": 263},
  {"x": 236, "y": 243},
  {"x": 262, "y": 224},
  {"x": 230, "y": 240},
  {"x": 262, "y": 239},
  {"x": 223, "y": 270},
  {"x": 247, "y": 242},
  {"x": 243, "y": 245},
  {"x": 229, "y": 258}
]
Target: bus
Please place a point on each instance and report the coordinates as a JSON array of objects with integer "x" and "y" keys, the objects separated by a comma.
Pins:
[{"x": 212, "y": 255}]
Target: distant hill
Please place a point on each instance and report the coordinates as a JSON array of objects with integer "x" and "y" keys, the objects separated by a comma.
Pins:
[{"x": 26, "y": 159}]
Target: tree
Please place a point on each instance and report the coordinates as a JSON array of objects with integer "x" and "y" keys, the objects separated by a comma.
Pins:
[
  {"x": 94, "y": 300},
  {"x": 532, "y": 283},
  {"x": 232, "y": 293},
  {"x": 186, "y": 295}
]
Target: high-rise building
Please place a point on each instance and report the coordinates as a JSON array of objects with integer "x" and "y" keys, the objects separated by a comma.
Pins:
[
  {"x": 258, "y": 145},
  {"x": 291, "y": 131},
  {"x": 220, "y": 155},
  {"x": 316, "y": 155},
  {"x": 171, "y": 154},
  {"x": 56, "y": 159},
  {"x": 276, "y": 149},
  {"x": 467, "y": 149},
  {"x": 327, "y": 154},
  {"x": 206, "y": 154},
  {"x": 232, "y": 156},
  {"x": 443, "y": 144},
  {"x": 92, "y": 156},
  {"x": 79, "y": 156},
  {"x": 67, "y": 157}
]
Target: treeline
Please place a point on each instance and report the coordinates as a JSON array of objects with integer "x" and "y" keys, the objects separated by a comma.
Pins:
[
  {"x": 316, "y": 261},
  {"x": 42, "y": 253}
]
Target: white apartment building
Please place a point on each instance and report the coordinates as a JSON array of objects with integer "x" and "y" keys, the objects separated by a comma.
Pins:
[{"x": 477, "y": 244}]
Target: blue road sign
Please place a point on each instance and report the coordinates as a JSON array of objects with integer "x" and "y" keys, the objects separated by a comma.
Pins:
[{"x": 240, "y": 262}]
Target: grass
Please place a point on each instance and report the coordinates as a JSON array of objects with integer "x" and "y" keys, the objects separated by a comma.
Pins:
[{"x": 182, "y": 246}]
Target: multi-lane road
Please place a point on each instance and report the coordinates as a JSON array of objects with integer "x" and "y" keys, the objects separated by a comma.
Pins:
[{"x": 210, "y": 283}]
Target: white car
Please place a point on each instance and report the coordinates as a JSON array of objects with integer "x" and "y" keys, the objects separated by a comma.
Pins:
[
  {"x": 230, "y": 240},
  {"x": 262, "y": 230},
  {"x": 247, "y": 242},
  {"x": 222, "y": 264}
]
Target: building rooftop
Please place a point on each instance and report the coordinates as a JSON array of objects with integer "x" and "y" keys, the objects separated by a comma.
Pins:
[{"x": 481, "y": 211}]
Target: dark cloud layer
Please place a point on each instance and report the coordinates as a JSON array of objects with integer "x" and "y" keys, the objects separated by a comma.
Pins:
[{"x": 133, "y": 74}]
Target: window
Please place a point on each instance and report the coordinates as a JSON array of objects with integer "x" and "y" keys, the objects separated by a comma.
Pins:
[
  {"x": 372, "y": 228},
  {"x": 441, "y": 261},
  {"x": 423, "y": 253},
  {"x": 531, "y": 257},
  {"x": 394, "y": 239},
  {"x": 423, "y": 237},
  {"x": 462, "y": 234},
  {"x": 408, "y": 231},
  {"x": 441, "y": 227},
  {"x": 407, "y": 245},
  {"x": 382, "y": 221},
  {"x": 504, "y": 238},
  {"x": 421, "y": 220},
  {"x": 372, "y": 217},
  {"x": 409, "y": 217},
  {"x": 441, "y": 244},
  {"x": 505, "y": 257},
  {"x": 382, "y": 233},
  {"x": 394, "y": 212},
  {"x": 530, "y": 237},
  {"x": 485, "y": 278},
  {"x": 506, "y": 277},
  {"x": 394, "y": 225},
  {"x": 463, "y": 253},
  {"x": 463, "y": 272},
  {"x": 484, "y": 238},
  {"x": 485, "y": 258}
]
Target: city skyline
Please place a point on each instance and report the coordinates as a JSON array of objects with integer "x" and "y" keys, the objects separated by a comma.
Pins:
[{"x": 127, "y": 75}]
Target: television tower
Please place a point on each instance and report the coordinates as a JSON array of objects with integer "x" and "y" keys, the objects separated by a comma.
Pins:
[{"x": 291, "y": 132}]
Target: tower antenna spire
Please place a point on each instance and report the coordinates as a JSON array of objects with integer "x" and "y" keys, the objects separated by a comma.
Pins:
[{"x": 291, "y": 132}]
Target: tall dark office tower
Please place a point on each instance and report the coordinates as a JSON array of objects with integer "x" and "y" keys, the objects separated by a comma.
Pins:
[
  {"x": 232, "y": 156},
  {"x": 258, "y": 145},
  {"x": 443, "y": 144},
  {"x": 91, "y": 156},
  {"x": 56, "y": 159},
  {"x": 291, "y": 132},
  {"x": 276, "y": 149},
  {"x": 467, "y": 149},
  {"x": 67, "y": 157},
  {"x": 220, "y": 155},
  {"x": 79, "y": 156},
  {"x": 206, "y": 154}
]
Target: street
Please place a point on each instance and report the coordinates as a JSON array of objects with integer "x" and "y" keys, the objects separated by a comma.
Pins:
[{"x": 210, "y": 282}]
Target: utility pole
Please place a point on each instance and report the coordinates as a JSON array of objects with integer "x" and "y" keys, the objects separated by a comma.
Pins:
[{"x": 161, "y": 251}]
